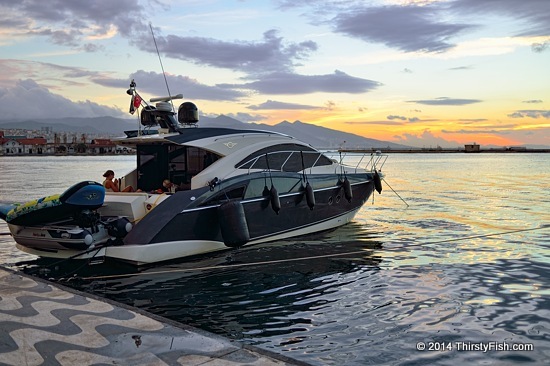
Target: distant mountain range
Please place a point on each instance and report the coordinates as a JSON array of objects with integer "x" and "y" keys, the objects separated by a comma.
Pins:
[{"x": 320, "y": 137}]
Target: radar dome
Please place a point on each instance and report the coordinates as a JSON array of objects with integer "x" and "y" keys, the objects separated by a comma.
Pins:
[{"x": 188, "y": 113}]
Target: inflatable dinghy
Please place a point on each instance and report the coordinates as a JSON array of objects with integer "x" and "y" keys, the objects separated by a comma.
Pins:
[{"x": 85, "y": 195}]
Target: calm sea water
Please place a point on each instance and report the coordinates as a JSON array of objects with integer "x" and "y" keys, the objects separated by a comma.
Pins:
[{"x": 451, "y": 272}]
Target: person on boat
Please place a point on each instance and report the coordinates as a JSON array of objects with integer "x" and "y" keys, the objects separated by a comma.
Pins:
[
  {"x": 111, "y": 184},
  {"x": 168, "y": 186}
]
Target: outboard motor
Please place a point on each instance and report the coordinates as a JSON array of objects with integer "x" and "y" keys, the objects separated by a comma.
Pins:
[
  {"x": 85, "y": 195},
  {"x": 87, "y": 218}
]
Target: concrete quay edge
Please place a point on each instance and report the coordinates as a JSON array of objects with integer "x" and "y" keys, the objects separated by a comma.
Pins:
[{"x": 46, "y": 323}]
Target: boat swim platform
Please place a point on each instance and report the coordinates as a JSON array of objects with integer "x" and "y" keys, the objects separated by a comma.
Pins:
[{"x": 43, "y": 323}]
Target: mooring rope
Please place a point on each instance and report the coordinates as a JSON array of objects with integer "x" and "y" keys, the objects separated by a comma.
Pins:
[
  {"x": 542, "y": 227},
  {"x": 394, "y": 191},
  {"x": 363, "y": 251}
]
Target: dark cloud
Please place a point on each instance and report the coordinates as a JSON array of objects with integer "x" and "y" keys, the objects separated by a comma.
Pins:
[
  {"x": 473, "y": 120},
  {"x": 113, "y": 83},
  {"x": 392, "y": 117},
  {"x": 28, "y": 99},
  {"x": 445, "y": 101},
  {"x": 532, "y": 101},
  {"x": 428, "y": 26},
  {"x": 8, "y": 21},
  {"x": 475, "y": 132},
  {"x": 408, "y": 28},
  {"x": 387, "y": 123},
  {"x": 540, "y": 47},
  {"x": 41, "y": 72},
  {"x": 273, "y": 105},
  {"x": 289, "y": 83},
  {"x": 289, "y": 4},
  {"x": 533, "y": 15},
  {"x": 268, "y": 55},
  {"x": 246, "y": 117},
  {"x": 269, "y": 62},
  {"x": 153, "y": 83},
  {"x": 531, "y": 113},
  {"x": 461, "y": 68},
  {"x": 148, "y": 82},
  {"x": 70, "y": 23},
  {"x": 59, "y": 37},
  {"x": 66, "y": 21},
  {"x": 91, "y": 47},
  {"x": 484, "y": 128},
  {"x": 330, "y": 105},
  {"x": 409, "y": 119},
  {"x": 501, "y": 126}
]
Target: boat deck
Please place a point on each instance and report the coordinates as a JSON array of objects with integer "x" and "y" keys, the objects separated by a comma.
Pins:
[{"x": 45, "y": 323}]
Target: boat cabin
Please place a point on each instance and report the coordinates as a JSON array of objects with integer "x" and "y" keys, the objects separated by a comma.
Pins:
[{"x": 179, "y": 151}]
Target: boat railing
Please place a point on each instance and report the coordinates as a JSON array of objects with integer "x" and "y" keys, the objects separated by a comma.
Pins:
[
  {"x": 368, "y": 160},
  {"x": 353, "y": 160},
  {"x": 268, "y": 161}
]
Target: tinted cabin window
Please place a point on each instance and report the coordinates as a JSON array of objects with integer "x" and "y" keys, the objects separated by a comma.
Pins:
[
  {"x": 284, "y": 185},
  {"x": 152, "y": 165},
  {"x": 285, "y": 157},
  {"x": 185, "y": 162},
  {"x": 174, "y": 162}
]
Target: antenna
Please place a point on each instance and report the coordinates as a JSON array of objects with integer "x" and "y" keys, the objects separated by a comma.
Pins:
[
  {"x": 166, "y": 99},
  {"x": 160, "y": 60}
]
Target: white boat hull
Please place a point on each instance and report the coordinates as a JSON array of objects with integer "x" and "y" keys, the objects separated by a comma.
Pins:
[{"x": 165, "y": 251}]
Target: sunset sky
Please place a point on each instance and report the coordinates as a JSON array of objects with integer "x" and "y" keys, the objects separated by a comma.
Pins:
[{"x": 415, "y": 72}]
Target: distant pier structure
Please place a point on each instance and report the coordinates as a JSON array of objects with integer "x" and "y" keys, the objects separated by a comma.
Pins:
[{"x": 471, "y": 148}]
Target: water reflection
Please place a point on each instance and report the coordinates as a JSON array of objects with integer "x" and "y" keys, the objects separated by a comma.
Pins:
[
  {"x": 233, "y": 292},
  {"x": 329, "y": 309}
]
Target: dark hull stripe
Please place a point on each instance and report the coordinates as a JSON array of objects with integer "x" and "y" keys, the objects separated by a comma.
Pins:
[
  {"x": 303, "y": 226},
  {"x": 260, "y": 199},
  {"x": 261, "y": 220}
]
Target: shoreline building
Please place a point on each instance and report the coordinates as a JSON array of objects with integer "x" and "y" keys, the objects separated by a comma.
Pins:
[
  {"x": 472, "y": 148},
  {"x": 18, "y": 145}
]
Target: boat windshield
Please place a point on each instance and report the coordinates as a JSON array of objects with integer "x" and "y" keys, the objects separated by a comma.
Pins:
[{"x": 284, "y": 157}]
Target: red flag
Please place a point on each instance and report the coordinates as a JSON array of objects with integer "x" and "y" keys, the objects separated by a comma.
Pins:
[{"x": 137, "y": 101}]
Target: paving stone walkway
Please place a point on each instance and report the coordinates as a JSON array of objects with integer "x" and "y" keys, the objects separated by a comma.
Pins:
[{"x": 46, "y": 324}]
